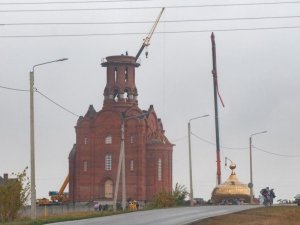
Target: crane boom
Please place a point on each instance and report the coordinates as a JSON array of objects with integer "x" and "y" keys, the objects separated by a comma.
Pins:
[
  {"x": 147, "y": 39},
  {"x": 64, "y": 185}
]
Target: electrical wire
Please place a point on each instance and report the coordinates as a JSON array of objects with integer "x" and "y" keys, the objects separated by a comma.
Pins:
[
  {"x": 179, "y": 139},
  {"x": 146, "y": 22},
  {"x": 272, "y": 153},
  {"x": 244, "y": 148},
  {"x": 71, "y": 2},
  {"x": 223, "y": 147},
  {"x": 60, "y": 106},
  {"x": 13, "y": 89},
  {"x": 149, "y": 7},
  {"x": 49, "y": 99},
  {"x": 143, "y": 33}
]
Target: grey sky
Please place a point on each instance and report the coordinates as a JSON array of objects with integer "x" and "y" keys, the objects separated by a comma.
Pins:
[{"x": 258, "y": 79}]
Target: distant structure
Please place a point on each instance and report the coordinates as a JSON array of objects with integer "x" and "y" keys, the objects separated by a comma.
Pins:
[
  {"x": 5, "y": 179},
  {"x": 94, "y": 159},
  {"x": 232, "y": 191}
]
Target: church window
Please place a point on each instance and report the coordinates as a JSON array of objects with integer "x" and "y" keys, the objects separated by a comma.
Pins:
[
  {"x": 85, "y": 140},
  {"x": 126, "y": 75},
  {"x": 108, "y": 139},
  {"x": 108, "y": 162},
  {"x": 159, "y": 170},
  {"x": 131, "y": 139},
  {"x": 131, "y": 165},
  {"x": 85, "y": 166},
  {"x": 116, "y": 70}
]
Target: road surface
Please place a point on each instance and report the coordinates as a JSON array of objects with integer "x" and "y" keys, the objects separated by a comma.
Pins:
[{"x": 170, "y": 216}]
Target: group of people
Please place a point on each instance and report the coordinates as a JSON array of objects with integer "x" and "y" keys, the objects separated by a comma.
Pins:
[
  {"x": 268, "y": 196},
  {"x": 99, "y": 207},
  {"x": 131, "y": 205}
]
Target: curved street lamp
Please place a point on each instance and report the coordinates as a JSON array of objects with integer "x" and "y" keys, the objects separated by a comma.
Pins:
[
  {"x": 32, "y": 144},
  {"x": 190, "y": 158},
  {"x": 251, "y": 178}
]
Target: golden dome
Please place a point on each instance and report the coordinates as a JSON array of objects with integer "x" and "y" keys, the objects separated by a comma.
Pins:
[{"x": 231, "y": 189}]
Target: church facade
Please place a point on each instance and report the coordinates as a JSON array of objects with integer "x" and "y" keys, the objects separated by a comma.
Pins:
[{"x": 94, "y": 159}]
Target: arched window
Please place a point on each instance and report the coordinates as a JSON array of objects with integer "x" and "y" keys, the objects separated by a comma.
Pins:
[
  {"x": 108, "y": 162},
  {"x": 131, "y": 139},
  {"x": 126, "y": 75},
  {"x": 108, "y": 189},
  {"x": 85, "y": 166},
  {"x": 131, "y": 165},
  {"x": 85, "y": 140},
  {"x": 116, "y": 70},
  {"x": 108, "y": 139},
  {"x": 159, "y": 169}
]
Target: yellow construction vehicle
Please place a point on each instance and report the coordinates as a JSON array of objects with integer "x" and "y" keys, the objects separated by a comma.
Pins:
[
  {"x": 43, "y": 201},
  {"x": 60, "y": 197}
]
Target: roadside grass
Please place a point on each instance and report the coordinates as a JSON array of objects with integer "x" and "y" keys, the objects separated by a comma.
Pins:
[
  {"x": 61, "y": 218},
  {"x": 276, "y": 215}
]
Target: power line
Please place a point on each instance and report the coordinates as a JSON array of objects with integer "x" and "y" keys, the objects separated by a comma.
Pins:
[
  {"x": 149, "y": 7},
  {"x": 179, "y": 139},
  {"x": 143, "y": 22},
  {"x": 17, "y": 89},
  {"x": 244, "y": 148},
  {"x": 142, "y": 33},
  {"x": 12, "y": 89},
  {"x": 60, "y": 106},
  {"x": 71, "y": 2},
  {"x": 223, "y": 147},
  {"x": 272, "y": 153}
]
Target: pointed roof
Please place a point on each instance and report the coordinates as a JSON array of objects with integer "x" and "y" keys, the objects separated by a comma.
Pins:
[{"x": 91, "y": 112}]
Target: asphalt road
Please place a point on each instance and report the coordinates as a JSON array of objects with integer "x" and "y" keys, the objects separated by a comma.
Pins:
[{"x": 170, "y": 216}]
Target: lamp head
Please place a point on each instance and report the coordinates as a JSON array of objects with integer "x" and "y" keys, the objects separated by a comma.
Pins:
[{"x": 63, "y": 59}]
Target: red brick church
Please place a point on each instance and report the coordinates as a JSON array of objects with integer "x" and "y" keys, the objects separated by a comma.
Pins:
[{"x": 94, "y": 159}]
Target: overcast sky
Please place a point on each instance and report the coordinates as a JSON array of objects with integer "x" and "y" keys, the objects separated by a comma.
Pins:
[{"x": 258, "y": 72}]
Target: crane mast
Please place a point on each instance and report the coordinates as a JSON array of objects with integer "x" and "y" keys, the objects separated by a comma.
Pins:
[{"x": 147, "y": 39}]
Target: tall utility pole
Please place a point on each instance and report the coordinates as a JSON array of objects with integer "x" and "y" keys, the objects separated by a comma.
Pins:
[
  {"x": 215, "y": 83},
  {"x": 190, "y": 159},
  {"x": 250, "y": 185},
  {"x": 121, "y": 163},
  {"x": 32, "y": 148},
  {"x": 32, "y": 143}
]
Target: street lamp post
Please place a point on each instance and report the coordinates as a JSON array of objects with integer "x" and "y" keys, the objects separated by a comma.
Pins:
[
  {"x": 121, "y": 164},
  {"x": 251, "y": 174},
  {"x": 190, "y": 158},
  {"x": 32, "y": 143}
]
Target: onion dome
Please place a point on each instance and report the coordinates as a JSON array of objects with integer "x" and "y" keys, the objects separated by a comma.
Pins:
[{"x": 231, "y": 191}]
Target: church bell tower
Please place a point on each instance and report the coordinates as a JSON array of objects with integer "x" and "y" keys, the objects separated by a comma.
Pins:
[{"x": 120, "y": 89}]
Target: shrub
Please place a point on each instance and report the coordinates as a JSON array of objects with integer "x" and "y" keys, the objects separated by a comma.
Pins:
[
  {"x": 164, "y": 199},
  {"x": 13, "y": 195}
]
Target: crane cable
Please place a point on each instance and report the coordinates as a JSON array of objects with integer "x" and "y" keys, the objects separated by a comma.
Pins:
[{"x": 217, "y": 87}]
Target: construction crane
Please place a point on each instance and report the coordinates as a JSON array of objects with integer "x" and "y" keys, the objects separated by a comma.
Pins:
[
  {"x": 146, "y": 42},
  {"x": 60, "y": 196}
]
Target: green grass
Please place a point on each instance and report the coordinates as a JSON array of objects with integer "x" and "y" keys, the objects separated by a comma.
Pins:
[
  {"x": 276, "y": 215},
  {"x": 61, "y": 218}
]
